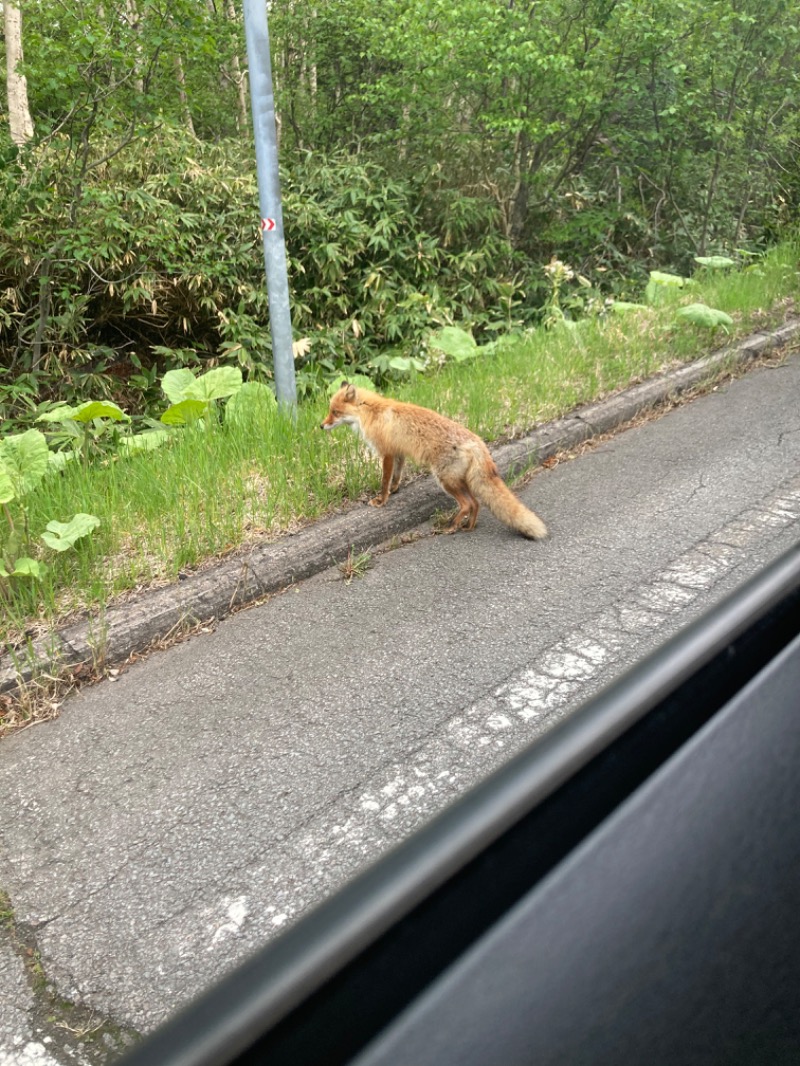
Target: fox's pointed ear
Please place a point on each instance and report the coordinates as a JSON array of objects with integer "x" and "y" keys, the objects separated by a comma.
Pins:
[{"x": 350, "y": 395}]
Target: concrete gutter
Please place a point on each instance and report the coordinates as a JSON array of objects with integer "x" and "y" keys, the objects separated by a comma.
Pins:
[{"x": 136, "y": 625}]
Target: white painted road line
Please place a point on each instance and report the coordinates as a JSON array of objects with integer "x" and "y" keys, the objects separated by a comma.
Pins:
[{"x": 402, "y": 798}]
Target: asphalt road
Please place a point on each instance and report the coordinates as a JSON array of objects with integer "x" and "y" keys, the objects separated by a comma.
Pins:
[{"x": 170, "y": 822}]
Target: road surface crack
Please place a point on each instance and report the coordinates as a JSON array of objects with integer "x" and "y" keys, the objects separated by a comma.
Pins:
[{"x": 67, "y": 1032}]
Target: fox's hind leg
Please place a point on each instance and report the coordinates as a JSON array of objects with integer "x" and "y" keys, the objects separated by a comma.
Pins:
[
  {"x": 473, "y": 518},
  {"x": 467, "y": 514}
]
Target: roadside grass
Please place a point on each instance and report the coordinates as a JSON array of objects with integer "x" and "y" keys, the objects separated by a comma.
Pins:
[
  {"x": 548, "y": 372},
  {"x": 208, "y": 492},
  {"x": 217, "y": 486}
]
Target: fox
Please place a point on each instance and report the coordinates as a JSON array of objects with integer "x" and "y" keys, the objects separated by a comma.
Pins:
[{"x": 458, "y": 458}]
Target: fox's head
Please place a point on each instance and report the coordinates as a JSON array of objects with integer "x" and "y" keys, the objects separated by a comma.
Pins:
[{"x": 343, "y": 408}]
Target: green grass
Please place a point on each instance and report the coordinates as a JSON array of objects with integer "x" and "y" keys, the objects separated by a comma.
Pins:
[
  {"x": 218, "y": 486},
  {"x": 550, "y": 372}
]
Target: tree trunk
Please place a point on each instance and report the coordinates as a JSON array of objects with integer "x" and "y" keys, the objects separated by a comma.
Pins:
[
  {"x": 238, "y": 77},
  {"x": 518, "y": 211},
  {"x": 132, "y": 16},
  {"x": 184, "y": 99},
  {"x": 19, "y": 115}
]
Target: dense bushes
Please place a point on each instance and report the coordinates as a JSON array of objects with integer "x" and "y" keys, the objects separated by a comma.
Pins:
[
  {"x": 435, "y": 156},
  {"x": 155, "y": 259}
]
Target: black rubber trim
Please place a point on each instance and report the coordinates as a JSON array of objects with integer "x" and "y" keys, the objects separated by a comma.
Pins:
[{"x": 322, "y": 991}]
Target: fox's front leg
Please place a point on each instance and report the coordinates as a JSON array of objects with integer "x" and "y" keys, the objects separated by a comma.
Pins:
[
  {"x": 399, "y": 463},
  {"x": 386, "y": 482}
]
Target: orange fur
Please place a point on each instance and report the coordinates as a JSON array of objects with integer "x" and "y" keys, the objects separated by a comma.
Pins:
[{"x": 458, "y": 458}]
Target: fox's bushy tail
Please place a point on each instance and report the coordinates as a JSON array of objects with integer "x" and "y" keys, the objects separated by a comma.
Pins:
[{"x": 488, "y": 488}]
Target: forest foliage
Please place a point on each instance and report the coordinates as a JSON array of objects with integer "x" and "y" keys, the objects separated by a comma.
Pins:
[{"x": 435, "y": 157}]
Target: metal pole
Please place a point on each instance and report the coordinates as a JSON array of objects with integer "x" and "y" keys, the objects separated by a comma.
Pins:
[{"x": 262, "y": 104}]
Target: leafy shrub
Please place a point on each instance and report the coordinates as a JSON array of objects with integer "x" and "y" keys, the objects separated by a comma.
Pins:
[
  {"x": 24, "y": 463},
  {"x": 152, "y": 262}
]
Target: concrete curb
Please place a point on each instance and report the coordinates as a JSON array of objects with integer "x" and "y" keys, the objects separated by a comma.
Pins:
[{"x": 136, "y": 625}]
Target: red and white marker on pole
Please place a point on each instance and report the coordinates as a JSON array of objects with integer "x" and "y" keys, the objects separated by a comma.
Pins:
[{"x": 267, "y": 225}]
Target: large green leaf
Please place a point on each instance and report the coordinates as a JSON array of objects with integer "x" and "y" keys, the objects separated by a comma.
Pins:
[
  {"x": 177, "y": 384},
  {"x": 405, "y": 363},
  {"x": 455, "y": 343},
  {"x": 148, "y": 441},
  {"x": 253, "y": 399},
  {"x": 660, "y": 278},
  {"x": 361, "y": 381},
  {"x": 99, "y": 409},
  {"x": 625, "y": 307},
  {"x": 25, "y": 568},
  {"x": 715, "y": 262},
  {"x": 24, "y": 460},
  {"x": 218, "y": 383},
  {"x": 62, "y": 535},
  {"x": 58, "y": 460},
  {"x": 184, "y": 412},
  {"x": 62, "y": 413},
  {"x": 85, "y": 412},
  {"x": 661, "y": 284},
  {"x": 7, "y": 491},
  {"x": 701, "y": 315}
]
